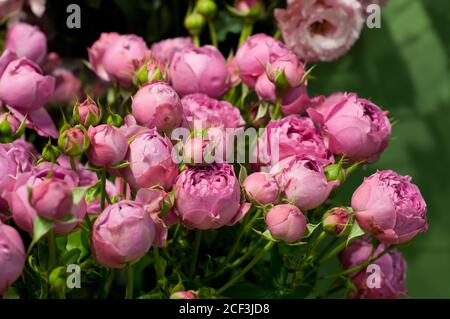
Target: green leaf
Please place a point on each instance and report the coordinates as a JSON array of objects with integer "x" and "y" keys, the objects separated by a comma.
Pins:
[
  {"x": 121, "y": 164},
  {"x": 262, "y": 111},
  {"x": 77, "y": 194},
  {"x": 266, "y": 234},
  {"x": 41, "y": 227},
  {"x": 242, "y": 173},
  {"x": 310, "y": 228},
  {"x": 78, "y": 240},
  {"x": 355, "y": 232},
  {"x": 93, "y": 192},
  {"x": 71, "y": 257}
]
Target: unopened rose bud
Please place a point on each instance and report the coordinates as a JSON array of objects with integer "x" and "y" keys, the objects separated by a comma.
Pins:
[
  {"x": 87, "y": 113},
  {"x": 184, "y": 295},
  {"x": 286, "y": 222},
  {"x": 335, "y": 172},
  {"x": 207, "y": 8},
  {"x": 336, "y": 221},
  {"x": 108, "y": 145},
  {"x": 10, "y": 127},
  {"x": 73, "y": 141},
  {"x": 194, "y": 23},
  {"x": 50, "y": 153},
  {"x": 262, "y": 188},
  {"x": 249, "y": 9},
  {"x": 52, "y": 199}
]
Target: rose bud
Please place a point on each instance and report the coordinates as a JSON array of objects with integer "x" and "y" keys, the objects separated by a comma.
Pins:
[
  {"x": 9, "y": 169},
  {"x": 199, "y": 70},
  {"x": 97, "y": 52},
  {"x": 87, "y": 113},
  {"x": 320, "y": 31},
  {"x": 73, "y": 141},
  {"x": 151, "y": 164},
  {"x": 201, "y": 111},
  {"x": 20, "y": 201},
  {"x": 194, "y": 23},
  {"x": 184, "y": 295},
  {"x": 355, "y": 127},
  {"x": 255, "y": 53},
  {"x": 286, "y": 222},
  {"x": 123, "y": 233},
  {"x": 390, "y": 207},
  {"x": 392, "y": 270},
  {"x": 67, "y": 86},
  {"x": 302, "y": 180},
  {"x": 208, "y": 197},
  {"x": 195, "y": 151},
  {"x": 108, "y": 145},
  {"x": 163, "y": 51},
  {"x": 336, "y": 221},
  {"x": 24, "y": 87},
  {"x": 12, "y": 257},
  {"x": 27, "y": 41},
  {"x": 9, "y": 127},
  {"x": 157, "y": 105},
  {"x": 52, "y": 199},
  {"x": 292, "y": 135},
  {"x": 124, "y": 56},
  {"x": 262, "y": 188}
]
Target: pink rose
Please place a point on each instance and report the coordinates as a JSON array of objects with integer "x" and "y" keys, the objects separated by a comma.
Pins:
[
  {"x": 199, "y": 70},
  {"x": 10, "y": 7},
  {"x": 320, "y": 30},
  {"x": 286, "y": 222},
  {"x": 23, "y": 155},
  {"x": 38, "y": 120},
  {"x": 73, "y": 141},
  {"x": 108, "y": 145},
  {"x": 392, "y": 266},
  {"x": 335, "y": 221},
  {"x": 262, "y": 187},
  {"x": 27, "y": 41},
  {"x": 390, "y": 207},
  {"x": 184, "y": 295},
  {"x": 163, "y": 51},
  {"x": 9, "y": 170},
  {"x": 354, "y": 127},
  {"x": 208, "y": 197},
  {"x": 151, "y": 164},
  {"x": 67, "y": 86},
  {"x": 12, "y": 121},
  {"x": 12, "y": 256},
  {"x": 302, "y": 180},
  {"x": 87, "y": 113},
  {"x": 97, "y": 52},
  {"x": 157, "y": 105}
]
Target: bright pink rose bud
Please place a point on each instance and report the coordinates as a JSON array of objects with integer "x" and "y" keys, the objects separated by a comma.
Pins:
[
  {"x": 27, "y": 41},
  {"x": 24, "y": 87},
  {"x": 303, "y": 181},
  {"x": 336, "y": 221},
  {"x": 255, "y": 53},
  {"x": 390, "y": 207},
  {"x": 12, "y": 256},
  {"x": 320, "y": 30},
  {"x": 201, "y": 111},
  {"x": 87, "y": 113},
  {"x": 74, "y": 141},
  {"x": 292, "y": 135},
  {"x": 163, "y": 51},
  {"x": 151, "y": 164},
  {"x": 157, "y": 105},
  {"x": 262, "y": 188},
  {"x": 184, "y": 295},
  {"x": 124, "y": 56},
  {"x": 67, "y": 86},
  {"x": 97, "y": 52},
  {"x": 355, "y": 127},
  {"x": 52, "y": 199},
  {"x": 286, "y": 222},
  {"x": 123, "y": 233},
  {"x": 199, "y": 70},
  {"x": 208, "y": 197},
  {"x": 108, "y": 145},
  {"x": 392, "y": 273}
]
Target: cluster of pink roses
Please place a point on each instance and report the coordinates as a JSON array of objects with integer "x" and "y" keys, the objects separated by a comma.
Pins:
[{"x": 143, "y": 190}]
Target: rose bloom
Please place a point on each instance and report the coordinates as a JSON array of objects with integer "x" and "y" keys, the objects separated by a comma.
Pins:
[
  {"x": 163, "y": 51},
  {"x": 67, "y": 86},
  {"x": 390, "y": 207},
  {"x": 97, "y": 52},
  {"x": 286, "y": 222},
  {"x": 392, "y": 266},
  {"x": 27, "y": 41},
  {"x": 320, "y": 30},
  {"x": 108, "y": 145},
  {"x": 261, "y": 187}
]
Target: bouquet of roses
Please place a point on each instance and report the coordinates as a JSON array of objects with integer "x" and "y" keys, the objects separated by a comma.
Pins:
[{"x": 172, "y": 171}]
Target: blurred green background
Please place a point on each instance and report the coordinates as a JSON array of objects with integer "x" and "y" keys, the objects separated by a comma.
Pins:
[{"x": 403, "y": 67}]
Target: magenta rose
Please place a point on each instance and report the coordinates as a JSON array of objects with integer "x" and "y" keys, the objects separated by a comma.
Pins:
[
  {"x": 158, "y": 106},
  {"x": 9, "y": 170},
  {"x": 67, "y": 86},
  {"x": 262, "y": 188},
  {"x": 303, "y": 181},
  {"x": 23, "y": 86},
  {"x": 355, "y": 127},
  {"x": 123, "y": 233},
  {"x": 392, "y": 268},
  {"x": 199, "y": 70},
  {"x": 27, "y": 41},
  {"x": 23, "y": 155},
  {"x": 320, "y": 30},
  {"x": 150, "y": 161},
  {"x": 286, "y": 222},
  {"x": 108, "y": 145},
  {"x": 163, "y": 51},
  {"x": 12, "y": 256},
  {"x": 97, "y": 52},
  {"x": 390, "y": 207},
  {"x": 208, "y": 197}
]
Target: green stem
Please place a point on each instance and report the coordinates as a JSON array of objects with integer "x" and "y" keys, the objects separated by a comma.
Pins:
[
  {"x": 276, "y": 111},
  {"x": 196, "y": 40},
  {"x": 333, "y": 252},
  {"x": 239, "y": 261},
  {"x": 212, "y": 33},
  {"x": 103, "y": 190},
  {"x": 159, "y": 274},
  {"x": 124, "y": 188},
  {"x": 130, "y": 282},
  {"x": 246, "y": 31},
  {"x": 51, "y": 251},
  {"x": 244, "y": 270},
  {"x": 108, "y": 283},
  {"x": 327, "y": 247},
  {"x": 317, "y": 241},
  {"x": 72, "y": 164},
  {"x": 198, "y": 239}
]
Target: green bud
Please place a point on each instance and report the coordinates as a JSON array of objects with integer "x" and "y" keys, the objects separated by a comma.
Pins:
[
  {"x": 74, "y": 141},
  {"x": 336, "y": 221},
  {"x": 207, "y": 8},
  {"x": 115, "y": 120},
  {"x": 335, "y": 172},
  {"x": 50, "y": 153},
  {"x": 194, "y": 23}
]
